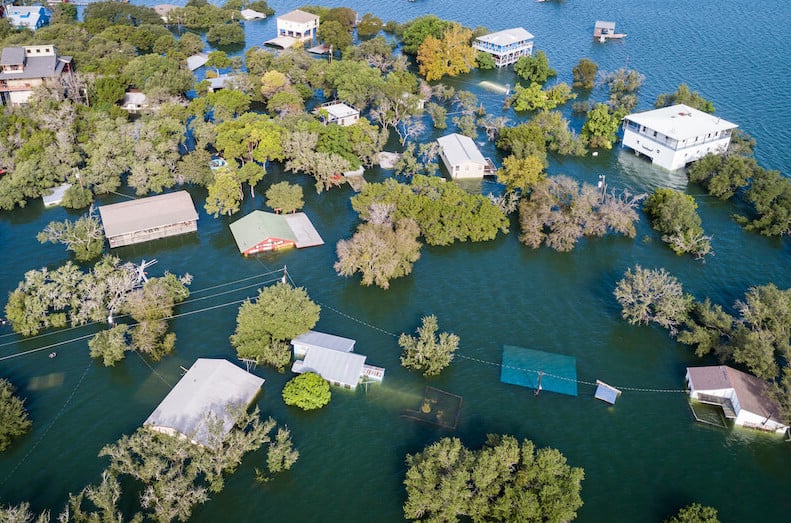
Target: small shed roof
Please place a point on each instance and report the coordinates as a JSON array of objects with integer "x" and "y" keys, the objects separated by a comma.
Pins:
[
  {"x": 197, "y": 61},
  {"x": 147, "y": 213},
  {"x": 606, "y": 392},
  {"x": 600, "y": 24},
  {"x": 283, "y": 42},
  {"x": 55, "y": 195},
  {"x": 302, "y": 227},
  {"x": 340, "y": 110},
  {"x": 459, "y": 149},
  {"x": 680, "y": 121},
  {"x": 750, "y": 390},
  {"x": 220, "y": 82},
  {"x": 298, "y": 16},
  {"x": 506, "y": 36},
  {"x": 332, "y": 365},
  {"x": 134, "y": 98},
  {"x": 251, "y": 14},
  {"x": 313, "y": 339},
  {"x": 210, "y": 388}
]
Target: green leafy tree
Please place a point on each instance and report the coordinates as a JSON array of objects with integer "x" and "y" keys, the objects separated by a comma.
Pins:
[
  {"x": 674, "y": 214},
  {"x": 335, "y": 34},
  {"x": 225, "y": 193},
  {"x": 438, "y": 114},
  {"x": 485, "y": 61},
  {"x": 307, "y": 391},
  {"x": 428, "y": 352},
  {"x": 652, "y": 295},
  {"x": 585, "y": 74},
  {"x": 415, "y": 32},
  {"x": 225, "y": 34},
  {"x": 379, "y": 251},
  {"x": 14, "y": 420},
  {"x": 684, "y": 96},
  {"x": 521, "y": 173},
  {"x": 110, "y": 345},
  {"x": 708, "y": 329},
  {"x": 21, "y": 513},
  {"x": 623, "y": 85},
  {"x": 281, "y": 454},
  {"x": 770, "y": 196},
  {"x": 535, "y": 68},
  {"x": 279, "y": 313},
  {"x": 534, "y": 97},
  {"x": 285, "y": 197},
  {"x": 503, "y": 481},
  {"x": 369, "y": 26},
  {"x": 723, "y": 176},
  {"x": 601, "y": 126},
  {"x": 695, "y": 513},
  {"x": 84, "y": 236}
]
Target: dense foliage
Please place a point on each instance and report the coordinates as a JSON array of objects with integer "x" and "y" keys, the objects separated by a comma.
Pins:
[
  {"x": 265, "y": 326},
  {"x": 84, "y": 236},
  {"x": 683, "y": 95},
  {"x": 428, "y": 352},
  {"x": 14, "y": 420},
  {"x": 534, "y": 68},
  {"x": 695, "y": 513},
  {"x": 308, "y": 391},
  {"x": 444, "y": 212},
  {"x": 503, "y": 481},
  {"x": 674, "y": 214},
  {"x": 558, "y": 212},
  {"x": 585, "y": 74},
  {"x": 652, "y": 296},
  {"x": 284, "y": 197},
  {"x": 450, "y": 55}
]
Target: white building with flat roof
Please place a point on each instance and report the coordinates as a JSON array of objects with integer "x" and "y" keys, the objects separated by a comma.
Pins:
[
  {"x": 677, "y": 135},
  {"x": 338, "y": 112},
  {"x": 461, "y": 156},
  {"x": 298, "y": 24},
  {"x": 506, "y": 46}
]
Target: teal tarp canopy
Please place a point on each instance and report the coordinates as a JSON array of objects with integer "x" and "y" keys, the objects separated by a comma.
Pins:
[{"x": 525, "y": 367}]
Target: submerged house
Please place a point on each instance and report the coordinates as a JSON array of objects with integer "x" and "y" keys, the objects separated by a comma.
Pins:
[
  {"x": 331, "y": 357},
  {"x": 337, "y": 112},
  {"x": 677, "y": 135},
  {"x": 22, "y": 69},
  {"x": 506, "y": 46},
  {"x": 212, "y": 390},
  {"x": 461, "y": 156},
  {"x": 743, "y": 397},
  {"x": 151, "y": 218},
  {"x": 262, "y": 231}
]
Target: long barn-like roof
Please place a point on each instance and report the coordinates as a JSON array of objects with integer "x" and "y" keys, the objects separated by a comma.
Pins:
[
  {"x": 147, "y": 213},
  {"x": 211, "y": 389}
]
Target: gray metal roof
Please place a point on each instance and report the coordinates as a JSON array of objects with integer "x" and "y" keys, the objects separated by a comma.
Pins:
[
  {"x": 298, "y": 16},
  {"x": 197, "y": 61},
  {"x": 312, "y": 339},
  {"x": 334, "y": 366},
  {"x": 303, "y": 229},
  {"x": 12, "y": 56},
  {"x": 506, "y": 36},
  {"x": 211, "y": 389},
  {"x": 56, "y": 195},
  {"x": 147, "y": 213},
  {"x": 752, "y": 392},
  {"x": 36, "y": 67},
  {"x": 459, "y": 149},
  {"x": 605, "y": 25}
]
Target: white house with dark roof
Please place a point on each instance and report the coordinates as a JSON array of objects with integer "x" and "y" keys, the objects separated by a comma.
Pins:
[
  {"x": 677, "y": 135},
  {"x": 461, "y": 156},
  {"x": 211, "y": 390},
  {"x": 506, "y": 46},
  {"x": 27, "y": 16},
  {"x": 22, "y": 69},
  {"x": 744, "y": 398}
]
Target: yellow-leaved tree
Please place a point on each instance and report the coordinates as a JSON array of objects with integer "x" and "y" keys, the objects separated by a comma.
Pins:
[{"x": 450, "y": 55}]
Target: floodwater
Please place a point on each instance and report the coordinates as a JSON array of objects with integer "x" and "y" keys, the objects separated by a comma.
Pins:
[{"x": 643, "y": 458}]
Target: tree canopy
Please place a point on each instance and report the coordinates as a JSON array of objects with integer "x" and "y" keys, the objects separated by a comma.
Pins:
[
  {"x": 695, "y": 513},
  {"x": 674, "y": 214},
  {"x": 683, "y": 95},
  {"x": 84, "y": 236},
  {"x": 14, "y": 419},
  {"x": 428, "y": 352},
  {"x": 264, "y": 326},
  {"x": 534, "y": 68},
  {"x": 652, "y": 295},
  {"x": 450, "y": 55},
  {"x": 503, "y": 481},
  {"x": 307, "y": 391}
]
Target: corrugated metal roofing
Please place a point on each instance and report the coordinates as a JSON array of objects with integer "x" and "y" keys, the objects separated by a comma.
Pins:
[
  {"x": 147, "y": 213},
  {"x": 680, "y": 121},
  {"x": 459, "y": 149},
  {"x": 334, "y": 366},
  {"x": 211, "y": 387},
  {"x": 322, "y": 340},
  {"x": 257, "y": 227},
  {"x": 750, "y": 390}
]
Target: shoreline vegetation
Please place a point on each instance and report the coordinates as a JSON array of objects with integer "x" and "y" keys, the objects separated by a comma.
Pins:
[{"x": 76, "y": 132}]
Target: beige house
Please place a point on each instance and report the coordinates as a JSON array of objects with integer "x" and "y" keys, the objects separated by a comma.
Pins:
[
  {"x": 297, "y": 24},
  {"x": 22, "y": 69},
  {"x": 151, "y": 218},
  {"x": 461, "y": 156}
]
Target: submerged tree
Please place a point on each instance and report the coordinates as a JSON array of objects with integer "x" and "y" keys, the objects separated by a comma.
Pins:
[
  {"x": 652, "y": 295},
  {"x": 84, "y": 236},
  {"x": 695, "y": 513},
  {"x": 673, "y": 214},
  {"x": 683, "y": 95},
  {"x": 428, "y": 352},
  {"x": 308, "y": 391},
  {"x": 503, "y": 481},
  {"x": 585, "y": 74},
  {"x": 284, "y": 197},
  {"x": 14, "y": 420},
  {"x": 264, "y": 326}
]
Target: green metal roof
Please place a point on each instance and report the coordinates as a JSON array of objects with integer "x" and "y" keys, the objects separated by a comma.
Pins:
[{"x": 258, "y": 226}]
